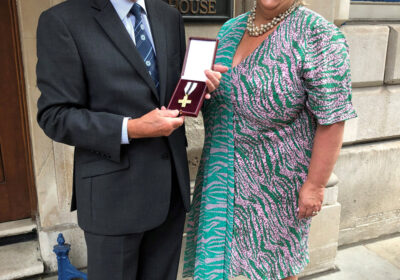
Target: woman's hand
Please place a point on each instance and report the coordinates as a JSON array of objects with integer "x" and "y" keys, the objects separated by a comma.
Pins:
[
  {"x": 311, "y": 197},
  {"x": 214, "y": 78},
  {"x": 327, "y": 142}
]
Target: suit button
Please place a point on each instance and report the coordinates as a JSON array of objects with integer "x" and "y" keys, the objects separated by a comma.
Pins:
[{"x": 165, "y": 156}]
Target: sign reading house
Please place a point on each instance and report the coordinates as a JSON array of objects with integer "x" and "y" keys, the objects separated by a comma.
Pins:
[{"x": 204, "y": 10}]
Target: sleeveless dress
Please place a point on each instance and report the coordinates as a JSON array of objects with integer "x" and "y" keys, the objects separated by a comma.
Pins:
[{"x": 259, "y": 131}]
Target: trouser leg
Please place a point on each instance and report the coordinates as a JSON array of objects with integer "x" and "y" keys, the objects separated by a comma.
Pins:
[
  {"x": 161, "y": 247},
  {"x": 151, "y": 255},
  {"x": 113, "y": 257}
]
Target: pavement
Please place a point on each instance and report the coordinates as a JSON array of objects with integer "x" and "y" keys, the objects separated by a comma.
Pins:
[
  {"x": 371, "y": 260},
  {"x": 377, "y": 260}
]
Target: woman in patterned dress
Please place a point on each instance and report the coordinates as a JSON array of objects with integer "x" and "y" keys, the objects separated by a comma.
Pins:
[{"x": 273, "y": 131}]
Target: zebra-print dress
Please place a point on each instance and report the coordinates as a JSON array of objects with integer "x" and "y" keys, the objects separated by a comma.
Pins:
[{"x": 259, "y": 129}]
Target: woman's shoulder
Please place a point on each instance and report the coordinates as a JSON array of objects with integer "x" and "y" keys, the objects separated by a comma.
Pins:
[
  {"x": 231, "y": 24},
  {"x": 314, "y": 23}
]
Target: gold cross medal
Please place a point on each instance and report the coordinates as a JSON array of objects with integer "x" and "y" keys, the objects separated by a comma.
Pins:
[{"x": 189, "y": 88}]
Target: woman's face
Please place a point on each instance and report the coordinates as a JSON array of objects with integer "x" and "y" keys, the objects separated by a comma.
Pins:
[{"x": 273, "y": 4}]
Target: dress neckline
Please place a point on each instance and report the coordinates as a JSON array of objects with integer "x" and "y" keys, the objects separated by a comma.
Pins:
[{"x": 268, "y": 38}]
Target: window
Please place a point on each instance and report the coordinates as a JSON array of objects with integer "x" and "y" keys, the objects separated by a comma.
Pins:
[
  {"x": 375, "y": 9},
  {"x": 376, "y": 1}
]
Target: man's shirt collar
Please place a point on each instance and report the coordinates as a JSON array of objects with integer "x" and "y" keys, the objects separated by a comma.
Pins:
[{"x": 123, "y": 7}]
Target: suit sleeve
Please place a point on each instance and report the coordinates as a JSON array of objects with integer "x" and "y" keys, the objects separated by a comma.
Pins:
[
  {"x": 63, "y": 111},
  {"x": 183, "y": 53},
  {"x": 182, "y": 39}
]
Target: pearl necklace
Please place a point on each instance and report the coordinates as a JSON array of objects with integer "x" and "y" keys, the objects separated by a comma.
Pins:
[{"x": 255, "y": 31}]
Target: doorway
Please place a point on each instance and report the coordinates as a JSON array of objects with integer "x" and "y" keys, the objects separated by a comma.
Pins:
[{"x": 17, "y": 192}]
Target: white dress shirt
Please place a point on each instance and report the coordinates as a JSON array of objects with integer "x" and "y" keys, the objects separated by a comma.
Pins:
[{"x": 123, "y": 8}]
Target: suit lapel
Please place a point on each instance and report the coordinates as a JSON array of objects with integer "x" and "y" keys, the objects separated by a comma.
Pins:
[
  {"x": 112, "y": 25},
  {"x": 157, "y": 25}
]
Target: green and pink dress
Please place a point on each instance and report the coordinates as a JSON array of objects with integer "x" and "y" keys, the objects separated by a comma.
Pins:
[{"x": 259, "y": 131}]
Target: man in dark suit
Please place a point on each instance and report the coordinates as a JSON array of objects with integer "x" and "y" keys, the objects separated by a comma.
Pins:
[{"x": 105, "y": 67}]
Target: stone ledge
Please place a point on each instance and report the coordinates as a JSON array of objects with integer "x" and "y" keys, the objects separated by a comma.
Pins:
[
  {"x": 17, "y": 227},
  {"x": 20, "y": 260}
]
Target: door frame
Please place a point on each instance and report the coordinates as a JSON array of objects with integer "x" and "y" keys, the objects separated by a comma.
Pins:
[{"x": 23, "y": 106}]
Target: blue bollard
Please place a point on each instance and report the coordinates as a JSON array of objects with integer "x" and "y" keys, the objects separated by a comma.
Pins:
[{"x": 66, "y": 271}]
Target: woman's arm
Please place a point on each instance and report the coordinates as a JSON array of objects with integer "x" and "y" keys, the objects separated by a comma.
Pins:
[{"x": 327, "y": 143}]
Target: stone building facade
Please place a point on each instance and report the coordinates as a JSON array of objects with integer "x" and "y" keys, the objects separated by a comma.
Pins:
[{"x": 362, "y": 199}]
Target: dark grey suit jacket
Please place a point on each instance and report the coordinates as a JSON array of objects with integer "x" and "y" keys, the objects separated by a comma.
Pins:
[{"x": 91, "y": 76}]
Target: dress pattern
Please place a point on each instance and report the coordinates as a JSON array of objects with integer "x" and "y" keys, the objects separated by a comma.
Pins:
[{"x": 259, "y": 129}]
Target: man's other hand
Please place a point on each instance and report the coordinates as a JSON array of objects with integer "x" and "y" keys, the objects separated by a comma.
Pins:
[{"x": 156, "y": 123}]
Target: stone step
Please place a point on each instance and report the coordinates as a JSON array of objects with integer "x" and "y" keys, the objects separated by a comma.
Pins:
[
  {"x": 20, "y": 260},
  {"x": 17, "y": 227}
]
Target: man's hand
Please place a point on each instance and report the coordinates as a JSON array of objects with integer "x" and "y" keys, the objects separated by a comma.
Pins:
[
  {"x": 214, "y": 78},
  {"x": 156, "y": 123}
]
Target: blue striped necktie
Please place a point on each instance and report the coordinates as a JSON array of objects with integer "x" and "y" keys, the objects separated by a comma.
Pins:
[{"x": 143, "y": 44}]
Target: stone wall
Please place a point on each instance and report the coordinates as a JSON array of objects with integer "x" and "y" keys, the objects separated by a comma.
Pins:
[
  {"x": 369, "y": 190},
  {"x": 368, "y": 166}
]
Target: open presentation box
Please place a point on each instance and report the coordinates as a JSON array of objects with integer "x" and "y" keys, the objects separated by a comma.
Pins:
[{"x": 189, "y": 94}]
